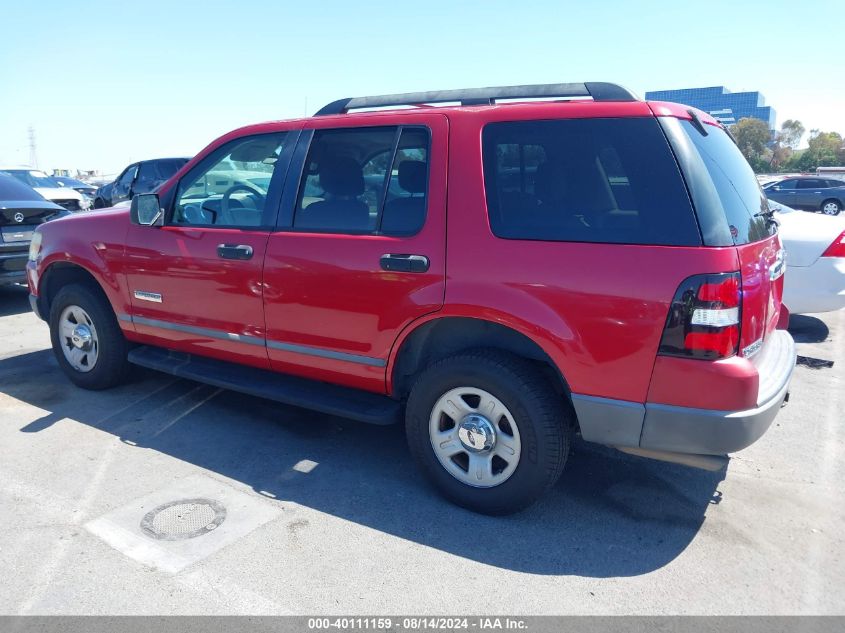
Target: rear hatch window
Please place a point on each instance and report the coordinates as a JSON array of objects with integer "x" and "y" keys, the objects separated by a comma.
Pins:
[
  {"x": 732, "y": 210},
  {"x": 586, "y": 180}
]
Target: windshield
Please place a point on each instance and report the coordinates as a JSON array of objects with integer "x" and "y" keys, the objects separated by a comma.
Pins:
[{"x": 32, "y": 177}]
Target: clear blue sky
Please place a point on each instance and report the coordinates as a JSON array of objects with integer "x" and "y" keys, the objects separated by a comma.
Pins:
[{"x": 105, "y": 83}]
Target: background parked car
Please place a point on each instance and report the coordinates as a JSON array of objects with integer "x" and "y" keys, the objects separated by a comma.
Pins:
[
  {"x": 87, "y": 190},
  {"x": 140, "y": 177},
  {"x": 815, "y": 260},
  {"x": 48, "y": 187},
  {"x": 21, "y": 210},
  {"x": 809, "y": 192}
]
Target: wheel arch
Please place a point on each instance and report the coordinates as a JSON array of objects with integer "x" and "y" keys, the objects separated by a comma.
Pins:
[
  {"x": 60, "y": 274},
  {"x": 443, "y": 336}
]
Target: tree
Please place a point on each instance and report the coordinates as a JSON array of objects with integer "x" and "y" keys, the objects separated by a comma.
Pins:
[
  {"x": 826, "y": 149},
  {"x": 753, "y": 138},
  {"x": 791, "y": 132}
]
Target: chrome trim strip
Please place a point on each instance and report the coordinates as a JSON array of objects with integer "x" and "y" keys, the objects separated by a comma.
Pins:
[
  {"x": 327, "y": 353},
  {"x": 202, "y": 331},
  {"x": 143, "y": 295},
  {"x": 255, "y": 340},
  {"x": 124, "y": 317}
]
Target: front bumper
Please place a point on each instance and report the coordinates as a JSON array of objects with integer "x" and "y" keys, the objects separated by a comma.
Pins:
[{"x": 689, "y": 430}]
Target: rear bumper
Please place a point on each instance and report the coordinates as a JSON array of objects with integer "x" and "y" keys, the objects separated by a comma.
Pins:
[
  {"x": 692, "y": 430},
  {"x": 13, "y": 263}
]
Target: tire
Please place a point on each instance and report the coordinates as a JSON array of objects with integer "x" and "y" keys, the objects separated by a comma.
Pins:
[
  {"x": 99, "y": 203},
  {"x": 103, "y": 364},
  {"x": 831, "y": 207},
  {"x": 520, "y": 395}
]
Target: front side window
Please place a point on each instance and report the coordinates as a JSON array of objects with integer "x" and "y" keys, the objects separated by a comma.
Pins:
[
  {"x": 230, "y": 187},
  {"x": 365, "y": 181},
  {"x": 785, "y": 185},
  {"x": 585, "y": 180},
  {"x": 128, "y": 176}
]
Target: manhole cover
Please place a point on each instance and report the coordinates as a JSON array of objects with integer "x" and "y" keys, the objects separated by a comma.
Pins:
[{"x": 179, "y": 520}]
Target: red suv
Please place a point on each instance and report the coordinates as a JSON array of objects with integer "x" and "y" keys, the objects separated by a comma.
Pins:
[{"x": 502, "y": 275}]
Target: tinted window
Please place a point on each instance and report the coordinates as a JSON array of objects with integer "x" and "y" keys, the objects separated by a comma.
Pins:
[
  {"x": 230, "y": 187},
  {"x": 737, "y": 190},
  {"x": 835, "y": 183},
  {"x": 128, "y": 176},
  {"x": 12, "y": 189},
  {"x": 811, "y": 183},
  {"x": 167, "y": 167},
  {"x": 785, "y": 184},
  {"x": 365, "y": 180},
  {"x": 147, "y": 177},
  {"x": 586, "y": 180}
]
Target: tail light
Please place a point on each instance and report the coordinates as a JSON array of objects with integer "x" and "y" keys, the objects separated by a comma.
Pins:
[
  {"x": 704, "y": 318},
  {"x": 837, "y": 249}
]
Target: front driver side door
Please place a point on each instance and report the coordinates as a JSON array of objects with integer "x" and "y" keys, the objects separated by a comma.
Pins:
[{"x": 196, "y": 283}]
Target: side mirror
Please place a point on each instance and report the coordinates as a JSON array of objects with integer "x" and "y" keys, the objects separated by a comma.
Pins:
[{"x": 146, "y": 210}]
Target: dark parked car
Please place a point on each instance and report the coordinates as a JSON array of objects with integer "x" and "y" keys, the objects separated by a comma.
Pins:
[
  {"x": 140, "y": 177},
  {"x": 21, "y": 210},
  {"x": 809, "y": 193}
]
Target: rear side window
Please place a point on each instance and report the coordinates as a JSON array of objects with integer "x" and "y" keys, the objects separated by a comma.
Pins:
[
  {"x": 365, "y": 181},
  {"x": 737, "y": 191},
  {"x": 586, "y": 180},
  {"x": 811, "y": 183}
]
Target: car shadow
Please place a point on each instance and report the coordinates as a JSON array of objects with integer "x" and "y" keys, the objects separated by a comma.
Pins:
[
  {"x": 807, "y": 329},
  {"x": 14, "y": 300},
  {"x": 609, "y": 515}
]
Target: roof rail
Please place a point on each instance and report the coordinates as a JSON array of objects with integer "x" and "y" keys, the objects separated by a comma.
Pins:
[{"x": 599, "y": 91}]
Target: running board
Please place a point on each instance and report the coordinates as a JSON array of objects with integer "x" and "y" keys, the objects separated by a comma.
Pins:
[{"x": 355, "y": 404}]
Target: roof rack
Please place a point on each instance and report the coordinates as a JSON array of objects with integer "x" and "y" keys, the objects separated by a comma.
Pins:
[{"x": 599, "y": 91}]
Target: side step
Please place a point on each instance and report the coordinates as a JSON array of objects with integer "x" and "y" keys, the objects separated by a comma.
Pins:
[{"x": 362, "y": 406}]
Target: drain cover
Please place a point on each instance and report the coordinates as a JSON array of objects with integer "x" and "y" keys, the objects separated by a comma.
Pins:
[{"x": 183, "y": 519}]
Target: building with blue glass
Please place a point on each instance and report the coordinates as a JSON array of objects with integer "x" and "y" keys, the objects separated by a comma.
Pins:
[{"x": 722, "y": 104}]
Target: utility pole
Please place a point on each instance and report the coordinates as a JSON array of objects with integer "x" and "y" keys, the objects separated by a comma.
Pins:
[{"x": 33, "y": 156}]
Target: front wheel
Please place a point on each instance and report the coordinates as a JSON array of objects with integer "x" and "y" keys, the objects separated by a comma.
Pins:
[
  {"x": 488, "y": 430},
  {"x": 87, "y": 341},
  {"x": 831, "y": 207}
]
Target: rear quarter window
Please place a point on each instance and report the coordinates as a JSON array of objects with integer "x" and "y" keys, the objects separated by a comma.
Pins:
[
  {"x": 586, "y": 180},
  {"x": 723, "y": 185}
]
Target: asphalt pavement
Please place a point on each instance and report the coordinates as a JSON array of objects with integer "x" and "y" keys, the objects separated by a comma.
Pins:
[{"x": 328, "y": 516}]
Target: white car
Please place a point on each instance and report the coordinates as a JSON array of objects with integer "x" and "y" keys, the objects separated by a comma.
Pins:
[
  {"x": 51, "y": 190},
  {"x": 815, "y": 260}
]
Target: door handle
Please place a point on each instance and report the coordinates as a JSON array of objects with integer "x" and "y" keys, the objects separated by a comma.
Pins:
[
  {"x": 404, "y": 263},
  {"x": 234, "y": 251}
]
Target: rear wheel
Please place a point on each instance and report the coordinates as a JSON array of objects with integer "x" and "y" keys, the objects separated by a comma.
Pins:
[
  {"x": 488, "y": 430},
  {"x": 831, "y": 207},
  {"x": 87, "y": 341}
]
